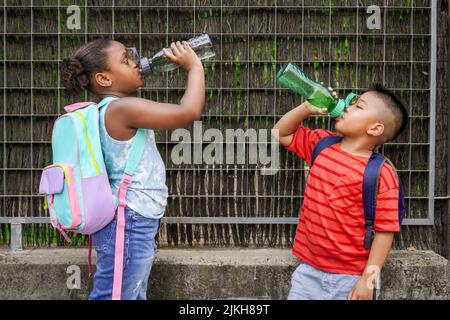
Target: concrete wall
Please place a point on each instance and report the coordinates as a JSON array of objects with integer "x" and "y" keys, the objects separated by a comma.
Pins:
[{"x": 211, "y": 274}]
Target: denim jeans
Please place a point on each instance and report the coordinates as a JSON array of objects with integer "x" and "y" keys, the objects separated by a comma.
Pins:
[
  {"x": 139, "y": 252},
  {"x": 309, "y": 283}
]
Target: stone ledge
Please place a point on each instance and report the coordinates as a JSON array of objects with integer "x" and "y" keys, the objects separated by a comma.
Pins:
[{"x": 211, "y": 273}]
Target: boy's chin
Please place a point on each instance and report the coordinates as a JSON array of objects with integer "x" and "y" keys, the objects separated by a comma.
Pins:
[
  {"x": 342, "y": 132},
  {"x": 337, "y": 128}
]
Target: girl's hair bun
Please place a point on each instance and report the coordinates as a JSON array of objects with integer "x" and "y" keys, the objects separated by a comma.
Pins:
[
  {"x": 76, "y": 72},
  {"x": 73, "y": 76}
]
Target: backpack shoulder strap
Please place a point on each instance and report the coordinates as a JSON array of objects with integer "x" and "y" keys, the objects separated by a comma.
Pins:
[
  {"x": 370, "y": 190},
  {"x": 138, "y": 144},
  {"x": 401, "y": 194},
  {"x": 323, "y": 144},
  {"x": 105, "y": 101},
  {"x": 136, "y": 151},
  {"x": 134, "y": 157},
  {"x": 79, "y": 105}
]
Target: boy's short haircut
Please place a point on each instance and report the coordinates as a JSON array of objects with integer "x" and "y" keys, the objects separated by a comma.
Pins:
[{"x": 395, "y": 105}]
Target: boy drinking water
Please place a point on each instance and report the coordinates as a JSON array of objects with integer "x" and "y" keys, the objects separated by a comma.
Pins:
[{"x": 331, "y": 229}]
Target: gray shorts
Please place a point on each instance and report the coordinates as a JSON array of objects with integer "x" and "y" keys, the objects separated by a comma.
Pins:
[{"x": 309, "y": 283}]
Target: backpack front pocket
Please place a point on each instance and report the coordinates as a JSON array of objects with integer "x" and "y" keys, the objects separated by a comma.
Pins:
[
  {"x": 52, "y": 180},
  {"x": 58, "y": 183}
]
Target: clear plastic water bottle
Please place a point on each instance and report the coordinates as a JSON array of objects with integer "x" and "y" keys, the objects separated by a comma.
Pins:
[
  {"x": 317, "y": 94},
  {"x": 202, "y": 46}
]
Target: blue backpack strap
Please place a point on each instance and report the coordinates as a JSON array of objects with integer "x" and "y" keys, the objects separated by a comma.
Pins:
[
  {"x": 136, "y": 151},
  {"x": 105, "y": 101},
  {"x": 137, "y": 147},
  {"x": 370, "y": 190},
  {"x": 323, "y": 144},
  {"x": 401, "y": 195}
]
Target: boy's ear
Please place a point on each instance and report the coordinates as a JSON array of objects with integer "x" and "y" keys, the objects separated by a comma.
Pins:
[
  {"x": 103, "y": 80},
  {"x": 376, "y": 129}
]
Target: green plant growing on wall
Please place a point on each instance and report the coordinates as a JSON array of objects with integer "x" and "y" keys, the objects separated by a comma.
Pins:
[
  {"x": 338, "y": 57},
  {"x": 254, "y": 24},
  {"x": 157, "y": 135},
  {"x": 53, "y": 236},
  {"x": 238, "y": 82},
  {"x": 324, "y": 6},
  {"x": 64, "y": 43},
  {"x": 19, "y": 53},
  {"x": 408, "y": 6},
  {"x": 324, "y": 121},
  {"x": 259, "y": 51},
  {"x": 246, "y": 123},
  {"x": 211, "y": 96},
  {"x": 123, "y": 23},
  {"x": 26, "y": 234},
  {"x": 273, "y": 52},
  {"x": 54, "y": 68},
  {"x": 5, "y": 237},
  {"x": 245, "y": 25},
  {"x": 306, "y": 167},
  {"x": 373, "y": 45},
  {"x": 267, "y": 123},
  {"x": 47, "y": 235},
  {"x": 316, "y": 64},
  {"x": 285, "y": 160},
  {"x": 79, "y": 40},
  {"x": 419, "y": 189},
  {"x": 205, "y": 28},
  {"x": 266, "y": 74},
  {"x": 62, "y": 96},
  {"x": 367, "y": 73},
  {"x": 346, "y": 60},
  {"x": 345, "y": 23},
  {"x": 62, "y": 21},
  {"x": 269, "y": 27},
  {"x": 266, "y": 48},
  {"x": 205, "y": 68},
  {"x": 422, "y": 118}
]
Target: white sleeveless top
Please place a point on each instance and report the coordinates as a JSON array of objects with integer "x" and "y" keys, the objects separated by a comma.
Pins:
[{"x": 147, "y": 193}]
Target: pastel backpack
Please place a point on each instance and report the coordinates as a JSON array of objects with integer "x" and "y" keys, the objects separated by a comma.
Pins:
[{"x": 77, "y": 191}]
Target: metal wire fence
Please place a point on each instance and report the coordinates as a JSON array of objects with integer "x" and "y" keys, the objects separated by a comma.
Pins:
[{"x": 221, "y": 204}]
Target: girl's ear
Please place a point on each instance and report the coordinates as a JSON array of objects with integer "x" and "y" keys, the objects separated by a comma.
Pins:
[
  {"x": 376, "y": 129},
  {"x": 103, "y": 80}
]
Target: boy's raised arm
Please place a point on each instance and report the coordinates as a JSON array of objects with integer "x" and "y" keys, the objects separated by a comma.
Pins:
[{"x": 286, "y": 126}]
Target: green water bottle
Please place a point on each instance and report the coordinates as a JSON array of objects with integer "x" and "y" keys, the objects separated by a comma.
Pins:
[{"x": 291, "y": 76}]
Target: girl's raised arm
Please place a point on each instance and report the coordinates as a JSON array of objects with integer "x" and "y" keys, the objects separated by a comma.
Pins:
[{"x": 143, "y": 113}]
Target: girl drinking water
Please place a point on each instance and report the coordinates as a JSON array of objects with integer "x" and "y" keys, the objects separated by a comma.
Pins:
[{"x": 104, "y": 68}]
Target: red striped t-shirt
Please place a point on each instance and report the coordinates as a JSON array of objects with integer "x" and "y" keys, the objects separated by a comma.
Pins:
[{"x": 331, "y": 228}]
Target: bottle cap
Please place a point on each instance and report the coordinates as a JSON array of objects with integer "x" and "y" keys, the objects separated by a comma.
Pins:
[
  {"x": 338, "y": 110},
  {"x": 349, "y": 99},
  {"x": 144, "y": 66}
]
